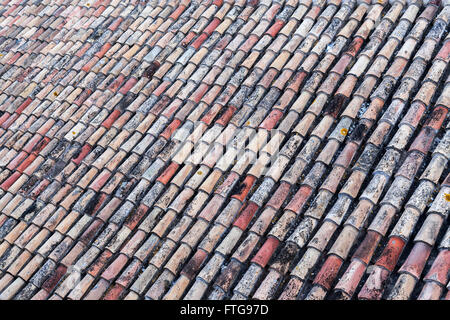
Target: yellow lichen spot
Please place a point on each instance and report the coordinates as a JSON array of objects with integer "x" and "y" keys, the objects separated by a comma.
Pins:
[
  {"x": 1, "y": 54},
  {"x": 447, "y": 196},
  {"x": 55, "y": 94},
  {"x": 344, "y": 131},
  {"x": 74, "y": 132},
  {"x": 88, "y": 4},
  {"x": 199, "y": 172},
  {"x": 247, "y": 123}
]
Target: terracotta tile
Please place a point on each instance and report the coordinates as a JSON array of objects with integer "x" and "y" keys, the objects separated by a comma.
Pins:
[
  {"x": 367, "y": 247},
  {"x": 437, "y": 271},
  {"x": 416, "y": 260},
  {"x": 266, "y": 251},
  {"x": 114, "y": 268},
  {"x": 391, "y": 253}
]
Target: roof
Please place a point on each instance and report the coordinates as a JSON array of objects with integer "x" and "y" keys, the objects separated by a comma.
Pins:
[{"x": 261, "y": 149}]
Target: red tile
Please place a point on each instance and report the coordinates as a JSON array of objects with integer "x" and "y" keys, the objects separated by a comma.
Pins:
[
  {"x": 32, "y": 143},
  {"x": 342, "y": 64},
  {"x": 117, "y": 83},
  {"x": 4, "y": 117},
  {"x": 11, "y": 10},
  {"x": 100, "y": 181},
  {"x": 167, "y": 133},
  {"x": 374, "y": 287},
  {"x": 172, "y": 108},
  {"x": 114, "y": 268},
  {"x": 299, "y": 199},
  {"x": 367, "y": 247},
  {"x": 103, "y": 50},
  {"x": 23, "y": 75},
  {"x": 37, "y": 34},
  {"x": 114, "y": 292},
  {"x": 244, "y": 188},
  {"x": 50, "y": 76},
  {"x": 39, "y": 188},
  {"x": 41, "y": 145},
  {"x": 26, "y": 163},
  {"x": 429, "y": 12},
  {"x": 10, "y": 181},
  {"x": 212, "y": 208},
  {"x": 46, "y": 127},
  {"x": 99, "y": 263},
  {"x": 108, "y": 209},
  {"x": 115, "y": 24},
  {"x": 193, "y": 266},
  {"x": 14, "y": 58},
  {"x": 437, "y": 117},
  {"x": 17, "y": 160},
  {"x": 99, "y": 11},
  {"x": 415, "y": 113},
  {"x": 128, "y": 85},
  {"x": 159, "y": 107},
  {"x": 10, "y": 120},
  {"x": 246, "y": 215},
  {"x": 268, "y": 77},
  {"x": 272, "y": 119},
  {"x": 272, "y": 11},
  {"x": 226, "y": 116},
  {"x": 440, "y": 268},
  {"x": 212, "y": 26},
  {"x": 417, "y": 259},
  {"x": 352, "y": 277},
  {"x": 89, "y": 234},
  {"x": 424, "y": 140},
  {"x": 165, "y": 177},
  {"x": 84, "y": 152},
  {"x": 275, "y": 28},
  {"x": 82, "y": 97},
  {"x": 134, "y": 219},
  {"x": 391, "y": 253},
  {"x": 162, "y": 88},
  {"x": 188, "y": 38},
  {"x": 211, "y": 114},
  {"x": 88, "y": 66},
  {"x": 54, "y": 278},
  {"x": 176, "y": 14},
  {"x": 328, "y": 272},
  {"x": 355, "y": 46},
  {"x": 279, "y": 196},
  {"x": 111, "y": 118},
  {"x": 198, "y": 42},
  {"x": 249, "y": 43},
  {"x": 347, "y": 154},
  {"x": 24, "y": 105},
  {"x": 129, "y": 273},
  {"x": 444, "y": 53},
  {"x": 199, "y": 93},
  {"x": 83, "y": 50},
  {"x": 266, "y": 251}
]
